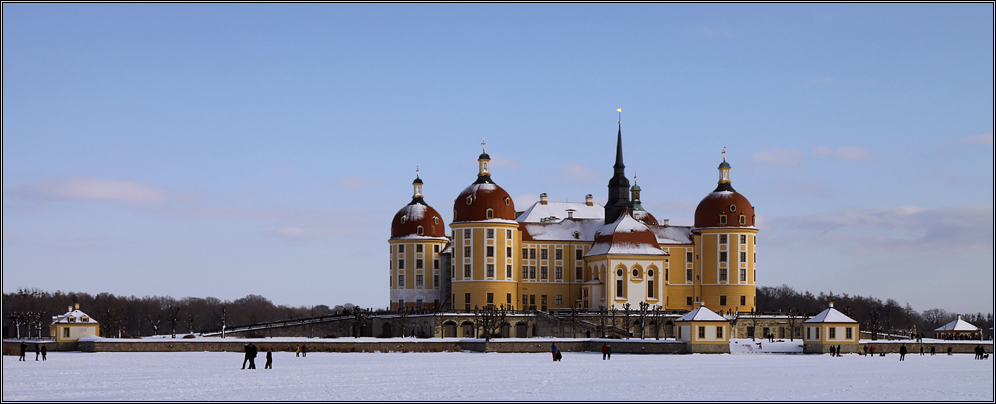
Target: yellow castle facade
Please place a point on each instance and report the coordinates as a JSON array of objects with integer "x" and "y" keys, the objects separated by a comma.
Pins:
[{"x": 559, "y": 255}]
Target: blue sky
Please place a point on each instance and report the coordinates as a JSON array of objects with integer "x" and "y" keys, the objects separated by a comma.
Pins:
[{"x": 228, "y": 149}]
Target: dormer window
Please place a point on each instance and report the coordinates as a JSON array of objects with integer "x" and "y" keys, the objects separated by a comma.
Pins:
[
  {"x": 507, "y": 201},
  {"x": 470, "y": 199},
  {"x": 743, "y": 219},
  {"x": 419, "y": 231},
  {"x": 722, "y": 219},
  {"x": 72, "y": 319},
  {"x": 733, "y": 208},
  {"x": 491, "y": 214},
  {"x": 402, "y": 220},
  {"x": 85, "y": 319},
  {"x": 435, "y": 219}
]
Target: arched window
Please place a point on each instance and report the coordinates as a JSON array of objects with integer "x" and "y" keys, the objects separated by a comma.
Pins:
[
  {"x": 470, "y": 199},
  {"x": 491, "y": 213},
  {"x": 743, "y": 219},
  {"x": 419, "y": 231}
]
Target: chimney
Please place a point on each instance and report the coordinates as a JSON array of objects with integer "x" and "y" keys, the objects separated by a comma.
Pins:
[
  {"x": 543, "y": 198},
  {"x": 587, "y": 200},
  {"x": 76, "y": 306},
  {"x": 665, "y": 222},
  {"x": 570, "y": 213},
  {"x": 831, "y": 305}
]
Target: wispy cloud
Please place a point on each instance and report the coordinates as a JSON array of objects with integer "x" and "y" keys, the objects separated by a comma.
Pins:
[
  {"x": 844, "y": 153},
  {"x": 579, "y": 172},
  {"x": 901, "y": 229},
  {"x": 980, "y": 139},
  {"x": 96, "y": 189},
  {"x": 779, "y": 156},
  {"x": 357, "y": 182},
  {"x": 504, "y": 162}
]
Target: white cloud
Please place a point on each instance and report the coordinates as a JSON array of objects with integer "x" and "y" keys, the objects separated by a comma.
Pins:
[
  {"x": 504, "y": 162},
  {"x": 980, "y": 139},
  {"x": 779, "y": 156},
  {"x": 844, "y": 153},
  {"x": 92, "y": 188}
]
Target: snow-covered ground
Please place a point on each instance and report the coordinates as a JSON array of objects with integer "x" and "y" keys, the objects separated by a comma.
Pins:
[{"x": 76, "y": 376}]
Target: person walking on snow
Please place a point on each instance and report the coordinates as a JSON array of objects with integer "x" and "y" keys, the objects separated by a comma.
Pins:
[
  {"x": 553, "y": 350},
  {"x": 269, "y": 359},
  {"x": 605, "y": 351},
  {"x": 902, "y": 352}
]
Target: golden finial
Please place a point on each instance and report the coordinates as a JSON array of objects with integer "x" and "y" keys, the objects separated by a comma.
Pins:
[
  {"x": 724, "y": 153},
  {"x": 634, "y": 177},
  {"x": 416, "y": 171},
  {"x": 483, "y": 149},
  {"x": 619, "y": 110}
]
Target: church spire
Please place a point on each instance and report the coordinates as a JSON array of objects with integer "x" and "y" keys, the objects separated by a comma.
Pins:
[{"x": 619, "y": 184}]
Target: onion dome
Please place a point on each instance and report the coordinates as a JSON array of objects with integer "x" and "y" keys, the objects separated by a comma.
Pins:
[
  {"x": 638, "y": 212},
  {"x": 724, "y": 207},
  {"x": 417, "y": 219},
  {"x": 483, "y": 200}
]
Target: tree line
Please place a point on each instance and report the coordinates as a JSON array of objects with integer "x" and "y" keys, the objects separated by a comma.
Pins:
[
  {"x": 871, "y": 313},
  {"x": 28, "y": 313}
]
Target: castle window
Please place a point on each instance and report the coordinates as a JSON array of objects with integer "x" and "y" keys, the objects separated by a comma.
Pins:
[
  {"x": 578, "y": 254},
  {"x": 466, "y": 252},
  {"x": 650, "y": 288},
  {"x": 508, "y": 252},
  {"x": 435, "y": 248},
  {"x": 470, "y": 199},
  {"x": 532, "y": 253},
  {"x": 688, "y": 300},
  {"x": 525, "y": 272},
  {"x": 532, "y": 272},
  {"x": 508, "y": 299},
  {"x": 418, "y": 281},
  {"x": 722, "y": 275},
  {"x": 743, "y": 256},
  {"x": 559, "y": 254},
  {"x": 743, "y": 239},
  {"x": 544, "y": 254},
  {"x": 491, "y": 214},
  {"x": 636, "y": 273},
  {"x": 435, "y": 219},
  {"x": 507, "y": 201},
  {"x": 733, "y": 208},
  {"x": 743, "y": 300},
  {"x": 688, "y": 256},
  {"x": 743, "y": 219},
  {"x": 435, "y": 281},
  {"x": 701, "y": 332},
  {"x": 491, "y": 271},
  {"x": 418, "y": 247},
  {"x": 491, "y": 251},
  {"x": 560, "y": 299},
  {"x": 401, "y": 264},
  {"x": 418, "y": 264},
  {"x": 402, "y": 220},
  {"x": 543, "y": 273},
  {"x": 491, "y": 233},
  {"x": 558, "y": 273},
  {"x": 619, "y": 272},
  {"x": 722, "y": 300},
  {"x": 719, "y": 331},
  {"x": 508, "y": 273},
  {"x": 578, "y": 274},
  {"x": 401, "y": 248},
  {"x": 401, "y": 280},
  {"x": 435, "y": 264},
  {"x": 722, "y": 239},
  {"x": 722, "y": 219},
  {"x": 722, "y": 256},
  {"x": 491, "y": 298},
  {"x": 688, "y": 275},
  {"x": 525, "y": 253},
  {"x": 508, "y": 235},
  {"x": 466, "y": 271},
  {"x": 743, "y": 275},
  {"x": 466, "y": 233}
]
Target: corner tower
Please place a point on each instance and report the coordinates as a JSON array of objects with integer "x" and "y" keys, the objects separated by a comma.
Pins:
[
  {"x": 725, "y": 241},
  {"x": 485, "y": 236},
  {"x": 418, "y": 235}
]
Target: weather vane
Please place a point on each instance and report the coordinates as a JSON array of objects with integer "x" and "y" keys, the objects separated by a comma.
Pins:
[
  {"x": 724, "y": 153},
  {"x": 416, "y": 171},
  {"x": 484, "y": 149}
]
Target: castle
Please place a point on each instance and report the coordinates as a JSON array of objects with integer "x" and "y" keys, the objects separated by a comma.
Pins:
[{"x": 559, "y": 255}]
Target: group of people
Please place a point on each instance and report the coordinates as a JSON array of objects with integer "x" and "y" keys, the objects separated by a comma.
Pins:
[
  {"x": 835, "y": 350},
  {"x": 40, "y": 349},
  {"x": 251, "y": 352},
  {"x": 302, "y": 350},
  {"x": 980, "y": 352},
  {"x": 556, "y": 353}
]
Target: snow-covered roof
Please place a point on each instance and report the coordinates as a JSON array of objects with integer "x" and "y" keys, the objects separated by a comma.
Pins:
[
  {"x": 78, "y": 317},
  {"x": 830, "y": 315},
  {"x": 957, "y": 325},
  {"x": 673, "y": 234},
  {"x": 625, "y": 236},
  {"x": 701, "y": 313},
  {"x": 566, "y": 229},
  {"x": 558, "y": 210}
]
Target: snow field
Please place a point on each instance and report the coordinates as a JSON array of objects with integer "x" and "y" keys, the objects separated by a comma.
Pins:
[{"x": 210, "y": 376}]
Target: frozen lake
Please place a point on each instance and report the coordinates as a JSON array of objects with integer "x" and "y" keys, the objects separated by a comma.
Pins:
[{"x": 211, "y": 376}]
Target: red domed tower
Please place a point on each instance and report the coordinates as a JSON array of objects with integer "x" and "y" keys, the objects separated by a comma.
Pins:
[
  {"x": 418, "y": 234},
  {"x": 725, "y": 241},
  {"x": 485, "y": 236}
]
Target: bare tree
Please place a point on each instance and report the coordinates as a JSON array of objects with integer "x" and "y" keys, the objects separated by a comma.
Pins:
[
  {"x": 602, "y": 312},
  {"x": 793, "y": 317},
  {"x": 173, "y": 316},
  {"x": 402, "y": 321},
  {"x": 658, "y": 315},
  {"x": 644, "y": 307},
  {"x": 155, "y": 323},
  {"x": 17, "y": 319},
  {"x": 359, "y": 320},
  {"x": 491, "y": 319},
  {"x": 190, "y": 323},
  {"x": 626, "y": 323}
]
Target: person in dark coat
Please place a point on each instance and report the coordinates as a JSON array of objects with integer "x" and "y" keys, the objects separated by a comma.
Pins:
[
  {"x": 833, "y": 350},
  {"x": 553, "y": 351},
  {"x": 246, "y": 359},
  {"x": 304, "y": 351},
  {"x": 44, "y": 350},
  {"x": 253, "y": 351},
  {"x": 24, "y": 350},
  {"x": 37, "y": 352},
  {"x": 608, "y": 352},
  {"x": 269, "y": 359},
  {"x": 902, "y": 352}
]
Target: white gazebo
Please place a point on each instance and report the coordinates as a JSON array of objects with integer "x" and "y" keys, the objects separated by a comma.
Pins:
[{"x": 958, "y": 329}]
